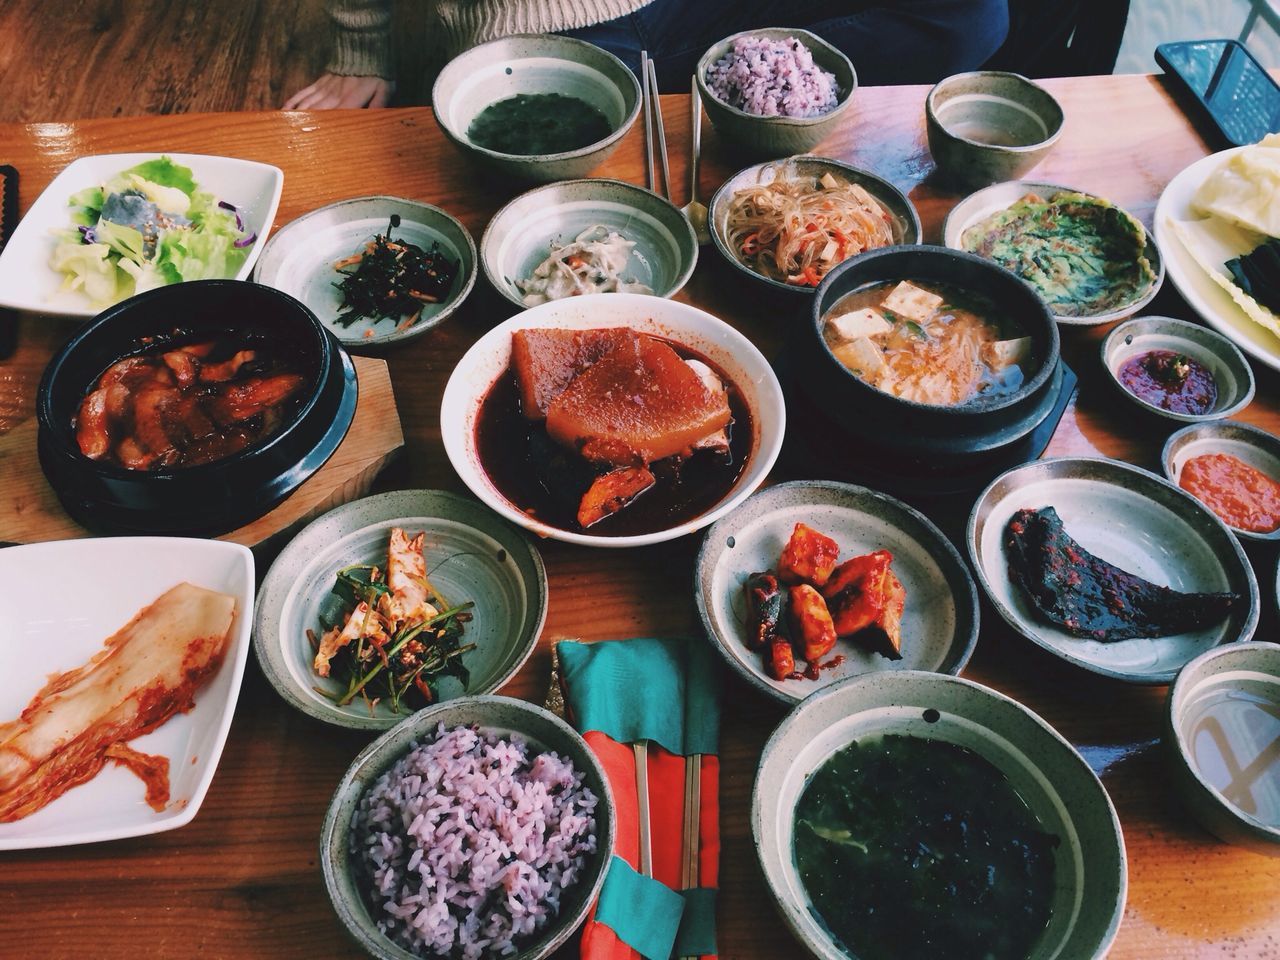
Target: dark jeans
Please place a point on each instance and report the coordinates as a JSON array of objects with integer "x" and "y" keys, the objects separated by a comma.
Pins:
[{"x": 893, "y": 41}]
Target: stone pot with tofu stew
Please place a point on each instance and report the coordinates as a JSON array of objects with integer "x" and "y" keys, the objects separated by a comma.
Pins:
[{"x": 924, "y": 349}]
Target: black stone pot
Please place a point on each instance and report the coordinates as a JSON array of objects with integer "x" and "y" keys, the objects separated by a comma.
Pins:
[
  {"x": 907, "y": 430},
  {"x": 212, "y": 498}
]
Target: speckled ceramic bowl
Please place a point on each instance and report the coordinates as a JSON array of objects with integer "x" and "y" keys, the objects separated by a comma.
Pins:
[
  {"x": 940, "y": 620},
  {"x": 530, "y": 64},
  {"x": 501, "y": 715},
  {"x": 1220, "y": 717},
  {"x": 299, "y": 260},
  {"x": 521, "y": 234},
  {"x": 471, "y": 554},
  {"x": 987, "y": 126},
  {"x": 1135, "y": 520},
  {"x": 757, "y": 136},
  {"x": 904, "y": 220},
  {"x": 1257, "y": 448},
  {"x": 1231, "y": 372},
  {"x": 1042, "y": 767}
]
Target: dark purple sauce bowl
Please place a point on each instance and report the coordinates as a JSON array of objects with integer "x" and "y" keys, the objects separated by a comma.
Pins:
[{"x": 212, "y": 498}]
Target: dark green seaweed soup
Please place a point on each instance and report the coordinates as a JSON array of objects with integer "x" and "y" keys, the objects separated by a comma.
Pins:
[
  {"x": 531, "y": 124},
  {"x": 915, "y": 848}
]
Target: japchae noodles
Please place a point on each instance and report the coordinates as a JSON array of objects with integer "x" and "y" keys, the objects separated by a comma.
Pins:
[{"x": 796, "y": 229}]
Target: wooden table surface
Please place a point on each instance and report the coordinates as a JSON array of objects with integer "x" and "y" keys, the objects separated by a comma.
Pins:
[{"x": 242, "y": 880}]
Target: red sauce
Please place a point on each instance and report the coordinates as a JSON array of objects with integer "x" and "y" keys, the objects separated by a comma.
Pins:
[
  {"x": 185, "y": 402},
  {"x": 1244, "y": 497},
  {"x": 1171, "y": 381}
]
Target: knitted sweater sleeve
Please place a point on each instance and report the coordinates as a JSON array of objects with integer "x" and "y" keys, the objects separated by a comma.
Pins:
[{"x": 361, "y": 38}]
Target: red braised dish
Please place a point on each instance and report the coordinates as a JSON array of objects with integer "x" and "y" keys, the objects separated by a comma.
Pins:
[
  {"x": 1243, "y": 496},
  {"x": 185, "y": 404},
  {"x": 1171, "y": 381}
]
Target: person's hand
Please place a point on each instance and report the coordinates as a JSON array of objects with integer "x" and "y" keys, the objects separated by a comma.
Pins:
[{"x": 332, "y": 91}]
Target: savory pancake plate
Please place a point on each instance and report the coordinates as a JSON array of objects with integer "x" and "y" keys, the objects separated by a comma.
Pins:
[
  {"x": 60, "y": 601},
  {"x": 1134, "y": 520},
  {"x": 940, "y": 616},
  {"x": 989, "y": 201},
  {"x": 1210, "y": 301}
]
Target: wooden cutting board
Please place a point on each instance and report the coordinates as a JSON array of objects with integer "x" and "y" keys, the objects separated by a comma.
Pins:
[{"x": 30, "y": 511}]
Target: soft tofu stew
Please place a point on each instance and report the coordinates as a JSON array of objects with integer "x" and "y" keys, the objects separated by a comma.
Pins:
[{"x": 929, "y": 343}]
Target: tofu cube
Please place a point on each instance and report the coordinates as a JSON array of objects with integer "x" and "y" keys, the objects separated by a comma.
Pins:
[
  {"x": 863, "y": 357},
  {"x": 908, "y": 300},
  {"x": 865, "y": 322},
  {"x": 1004, "y": 353}
]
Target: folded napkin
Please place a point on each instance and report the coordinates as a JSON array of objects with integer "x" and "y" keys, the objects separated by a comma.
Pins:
[{"x": 665, "y": 692}]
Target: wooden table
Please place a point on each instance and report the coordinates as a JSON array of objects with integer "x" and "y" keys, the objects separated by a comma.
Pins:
[{"x": 242, "y": 880}]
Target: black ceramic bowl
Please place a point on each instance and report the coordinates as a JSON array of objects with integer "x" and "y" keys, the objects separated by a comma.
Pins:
[
  {"x": 918, "y": 430},
  {"x": 211, "y": 498}
]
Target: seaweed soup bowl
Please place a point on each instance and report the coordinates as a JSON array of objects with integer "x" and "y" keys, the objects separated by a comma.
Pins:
[
  {"x": 908, "y": 429},
  {"x": 1090, "y": 875}
]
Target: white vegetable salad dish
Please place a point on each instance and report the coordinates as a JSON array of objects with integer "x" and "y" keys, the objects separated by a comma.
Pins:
[{"x": 112, "y": 226}]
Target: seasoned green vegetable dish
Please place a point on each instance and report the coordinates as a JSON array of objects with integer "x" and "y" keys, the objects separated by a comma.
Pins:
[{"x": 1083, "y": 255}]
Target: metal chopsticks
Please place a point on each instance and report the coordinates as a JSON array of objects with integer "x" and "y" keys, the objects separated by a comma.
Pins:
[
  {"x": 648, "y": 120},
  {"x": 651, "y": 84}
]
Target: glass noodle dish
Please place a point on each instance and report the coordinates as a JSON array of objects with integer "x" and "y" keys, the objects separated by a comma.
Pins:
[
  {"x": 593, "y": 262},
  {"x": 931, "y": 343},
  {"x": 795, "y": 229}
]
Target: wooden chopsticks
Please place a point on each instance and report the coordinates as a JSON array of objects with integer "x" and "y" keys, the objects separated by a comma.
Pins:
[{"x": 692, "y": 824}]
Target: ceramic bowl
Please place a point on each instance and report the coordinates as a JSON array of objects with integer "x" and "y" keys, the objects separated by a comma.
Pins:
[
  {"x": 1220, "y": 719},
  {"x": 757, "y": 136},
  {"x": 531, "y": 64},
  {"x": 501, "y": 715},
  {"x": 940, "y": 621},
  {"x": 216, "y": 497},
  {"x": 988, "y": 126},
  {"x": 903, "y": 426},
  {"x": 490, "y": 357},
  {"x": 1223, "y": 359},
  {"x": 1135, "y": 520},
  {"x": 471, "y": 555},
  {"x": 299, "y": 260},
  {"x": 904, "y": 220},
  {"x": 980, "y": 205},
  {"x": 1257, "y": 448},
  {"x": 1053, "y": 779},
  {"x": 521, "y": 234}
]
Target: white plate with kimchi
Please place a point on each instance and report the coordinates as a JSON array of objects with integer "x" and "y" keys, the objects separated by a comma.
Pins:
[{"x": 122, "y": 659}]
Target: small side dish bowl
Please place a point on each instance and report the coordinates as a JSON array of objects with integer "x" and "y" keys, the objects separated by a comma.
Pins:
[
  {"x": 1220, "y": 718},
  {"x": 988, "y": 126},
  {"x": 535, "y": 64},
  {"x": 521, "y": 234},
  {"x": 904, "y": 426},
  {"x": 506, "y": 717},
  {"x": 1231, "y": 373},
  {"x": 904, "y": 221},
  {"x": 940, "y": 618},
  {"x": 50, "y": 629},
  {"x": 1090, "y": 874},
  {"x": 778, "y": 136},
  {"x": 1134, "y": 520},
  {"x": 28, "y": 282},
  {"x": 471, "y": 555},
  {"x": 299, "y": 260},
  {"x": 489, "y": 359},
  {"x": 216, "y": 497},
  {"x": 1255, "y": 447},
  {"x": 984, "y": 203}
]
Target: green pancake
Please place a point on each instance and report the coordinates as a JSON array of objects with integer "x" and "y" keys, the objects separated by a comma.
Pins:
[{"x": 1083, "y": 255}]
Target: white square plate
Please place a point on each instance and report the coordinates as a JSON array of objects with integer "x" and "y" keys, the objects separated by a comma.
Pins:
[
  {"x": 58, "y": 603},
  {"x": 27, "y": 282}
]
